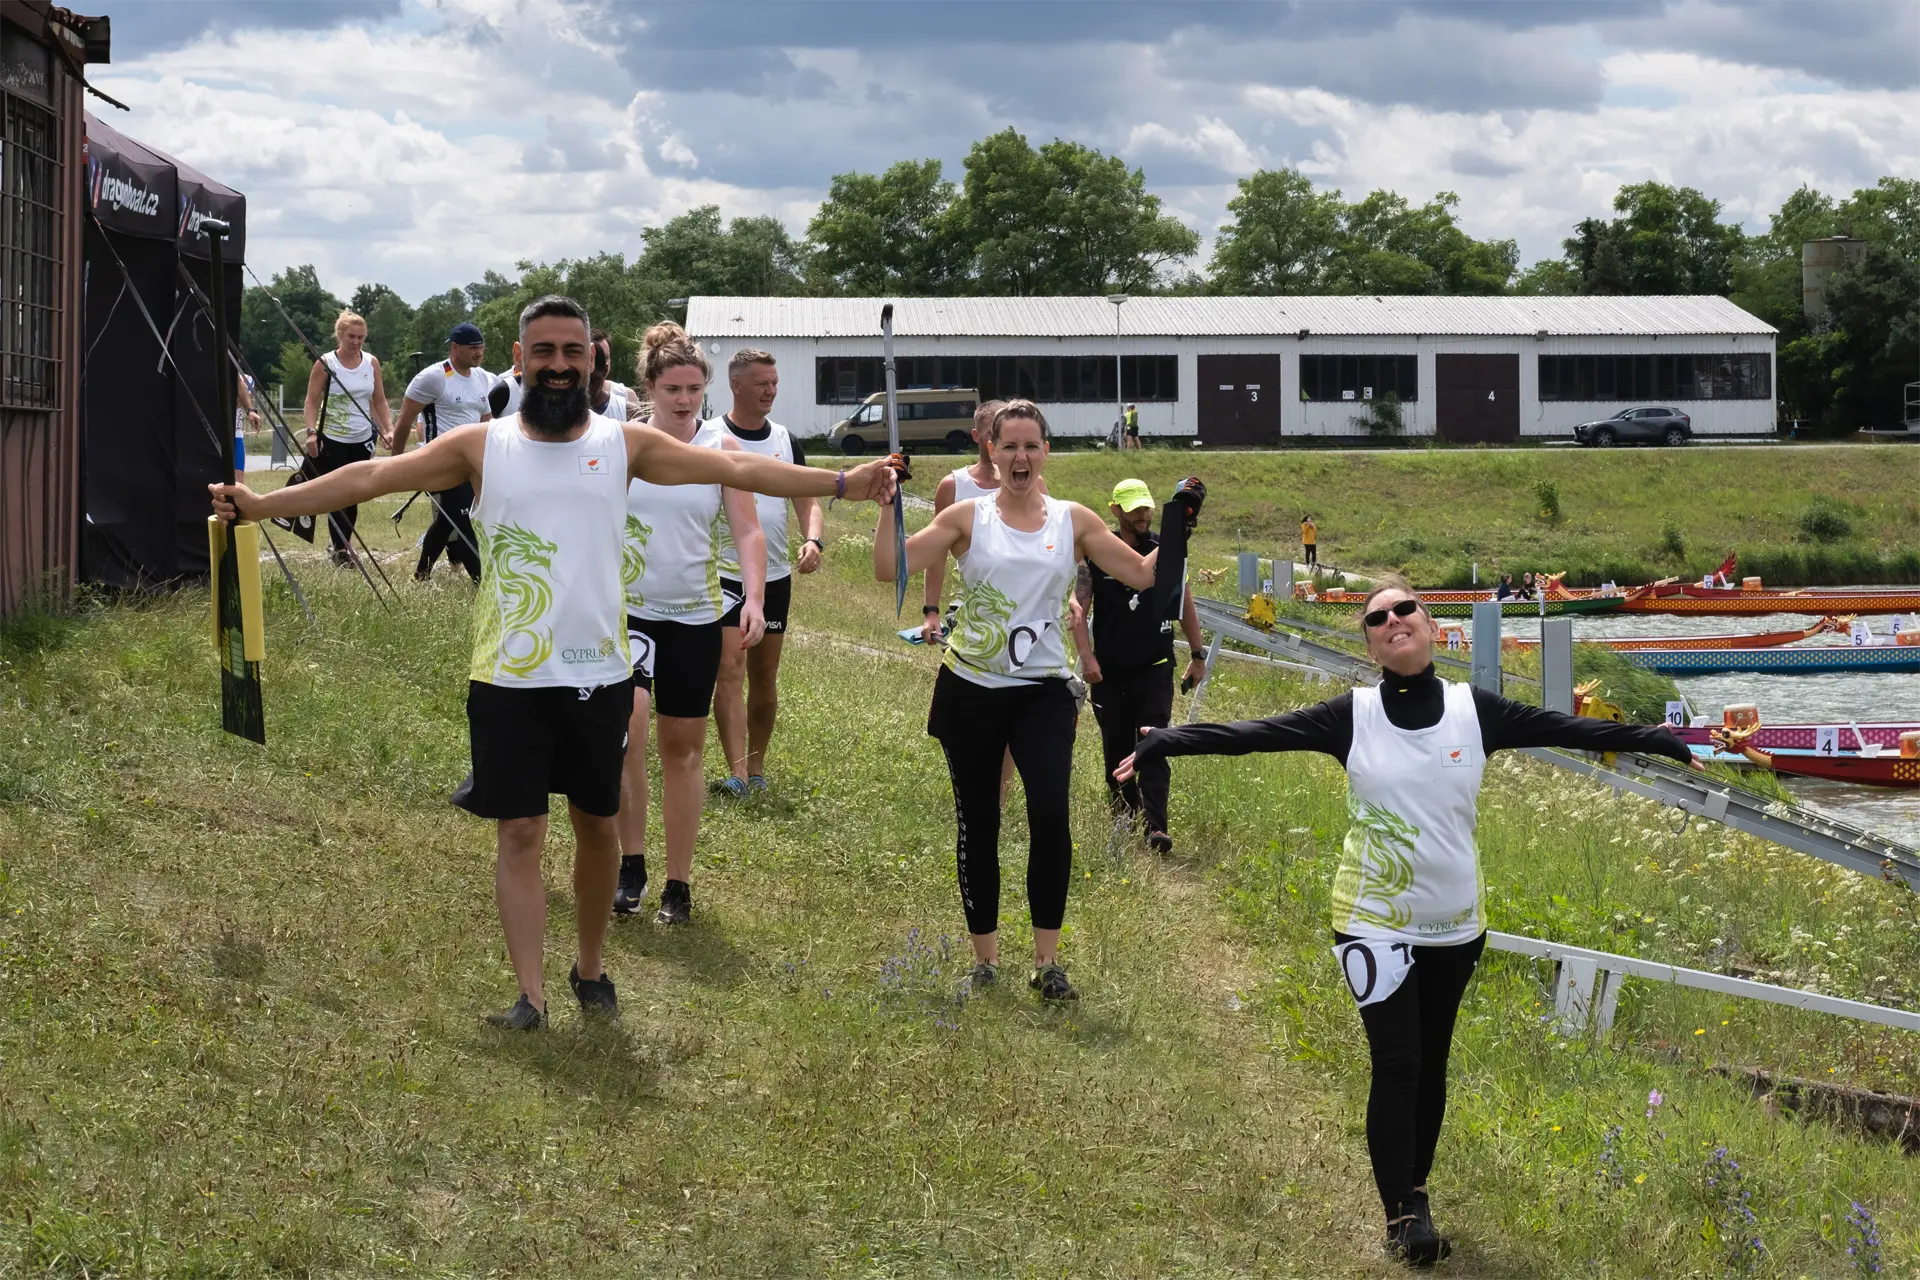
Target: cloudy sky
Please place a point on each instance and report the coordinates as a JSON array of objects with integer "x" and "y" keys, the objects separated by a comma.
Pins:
[{"x": 420, "y": 142}]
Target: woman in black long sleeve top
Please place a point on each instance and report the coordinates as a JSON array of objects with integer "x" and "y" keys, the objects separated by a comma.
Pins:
[{"x": 1409, "y": 916}]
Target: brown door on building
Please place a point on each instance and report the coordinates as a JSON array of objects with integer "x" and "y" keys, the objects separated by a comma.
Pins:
[
  {"x": 1239, "y": 400},
  {"x": 1477, "y": 398}
]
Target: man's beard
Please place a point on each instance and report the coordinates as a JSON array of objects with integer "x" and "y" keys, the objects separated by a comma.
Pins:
[{"x": 553, "y": 411}]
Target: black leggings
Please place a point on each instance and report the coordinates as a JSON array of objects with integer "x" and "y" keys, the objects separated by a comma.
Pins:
[
  {"x": 451, "y": 532},
  {"x": 334, "y": 455},
  {"x": 1313, "y": 553},
  {"x": 976, "y": 726},
  {"x": 1122, "y": 703},
  {"x": 1409, "y": 1035}
]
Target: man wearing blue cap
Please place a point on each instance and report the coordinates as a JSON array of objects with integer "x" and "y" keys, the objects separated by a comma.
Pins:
[{"x": 444, "y": 396}]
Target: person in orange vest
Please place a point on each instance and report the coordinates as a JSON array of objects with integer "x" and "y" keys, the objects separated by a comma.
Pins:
[{"x": 1309, "y": 540}]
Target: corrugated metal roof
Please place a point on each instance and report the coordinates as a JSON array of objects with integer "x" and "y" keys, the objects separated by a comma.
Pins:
[{"x": 709, "y": 317}]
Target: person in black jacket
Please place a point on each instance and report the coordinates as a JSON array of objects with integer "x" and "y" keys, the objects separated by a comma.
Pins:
[
  {"x": 1128, "y": 665},
  {"x": 1408, "y": 917}
]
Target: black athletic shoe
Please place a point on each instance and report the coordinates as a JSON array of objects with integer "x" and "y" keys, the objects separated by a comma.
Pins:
[
  {"x": 980, "y": 978},
  {"x": 595, "y": 995},
  {"x": 1412, "y": 1239},
  {"x": 676, "y": 903},
  {"x": 1051, "y": 982},
  {"x": 633, "y": 884},
  {"x": 522, "y": 1017},
  {"x": 1159, "y": 842}
]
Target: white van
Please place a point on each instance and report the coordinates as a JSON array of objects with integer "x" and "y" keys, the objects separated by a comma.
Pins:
[{"x": 943, "y": 415}]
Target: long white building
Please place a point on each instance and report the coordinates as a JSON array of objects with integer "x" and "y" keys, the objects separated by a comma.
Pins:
[{"x": 1265, "y": 371}]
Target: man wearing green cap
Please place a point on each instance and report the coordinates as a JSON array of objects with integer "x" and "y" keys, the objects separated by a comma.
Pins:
[{"x": 1131, "y": 666}]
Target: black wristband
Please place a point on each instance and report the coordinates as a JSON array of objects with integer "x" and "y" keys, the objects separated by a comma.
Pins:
[
  {"x": 816, "y": 542},
  {"x": 926, "y": 609}
]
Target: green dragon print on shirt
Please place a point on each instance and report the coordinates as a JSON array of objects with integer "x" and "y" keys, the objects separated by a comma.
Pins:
[
  {"x": 516, "y": 595},
  {"x": 980, "y": 627},
  {"x": 1376, "y": 866},
  {"x": 633, "y": 559}
]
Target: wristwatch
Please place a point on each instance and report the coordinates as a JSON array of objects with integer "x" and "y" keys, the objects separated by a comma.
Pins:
[{"x": 816, "y": 542}]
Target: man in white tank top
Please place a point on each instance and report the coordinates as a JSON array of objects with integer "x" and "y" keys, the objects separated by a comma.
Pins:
[
  {"x": 746, "y": 731},
  {"x": 346, "y": 407},
  {"x": 550, "y": 687},
  {"x": 609, "y": 398},
  {"x": 443, "y": 396}
]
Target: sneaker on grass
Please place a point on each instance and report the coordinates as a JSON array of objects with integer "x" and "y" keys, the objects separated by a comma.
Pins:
[
  {"x": 729, "y": 788},
  {"x": 595, "y": 995},
  {"x": 676, "y": 903},
  {"x": 522, "y": 1017},
  {"x": 757, "y": 782},
  {"x": 981, "y": 977},
  {"x": 1051, "y": 982},
  {"x": 633, "y": 884}
]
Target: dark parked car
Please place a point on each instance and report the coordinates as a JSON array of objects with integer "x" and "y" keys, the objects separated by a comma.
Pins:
[{"x": 1665, "y": 425}]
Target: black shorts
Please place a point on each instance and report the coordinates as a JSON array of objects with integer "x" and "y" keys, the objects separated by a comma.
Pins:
[
  {"x": 779, "y": 599},
  {"x": 530, "y": 743},
  {"x": 676, "y": 663}
]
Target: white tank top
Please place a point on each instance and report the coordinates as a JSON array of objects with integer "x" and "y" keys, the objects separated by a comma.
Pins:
[
  {"x": 343, "y": 416},
  {"x": 671, "y": 564},
  {"x": 966, "y": 488},
  {"x": 551, "y": 521},
  {"x": 1410, "y": 870},
  {"x": 772, "y": 511},
  {"x": 1008, "y": 631}
]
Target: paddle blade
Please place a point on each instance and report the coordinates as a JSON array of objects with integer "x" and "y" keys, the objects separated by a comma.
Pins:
[
  {"x": 242, "y": 712},
  {"x": 899, "y": 554}
]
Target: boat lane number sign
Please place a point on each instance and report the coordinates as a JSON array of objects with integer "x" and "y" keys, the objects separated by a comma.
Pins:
[
  {"x": 1861, "y": 633},
  {"x": 1677, "y": 714},
  {"x": 1826, "y": 740}
]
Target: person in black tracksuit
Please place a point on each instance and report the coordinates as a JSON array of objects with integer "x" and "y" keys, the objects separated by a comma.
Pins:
[
  {"x": 1129, "y": 664},
  {"x": 1408, "y": 917}
]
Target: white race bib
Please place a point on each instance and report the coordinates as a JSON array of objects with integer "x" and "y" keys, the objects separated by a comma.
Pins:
[{"x": 1373, "y": 967}]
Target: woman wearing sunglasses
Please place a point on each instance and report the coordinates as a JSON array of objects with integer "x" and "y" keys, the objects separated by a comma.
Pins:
[{"x": 1409, "y": 918}]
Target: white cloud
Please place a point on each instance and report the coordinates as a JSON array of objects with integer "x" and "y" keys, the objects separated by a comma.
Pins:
[{"x": 469, "y": 134}]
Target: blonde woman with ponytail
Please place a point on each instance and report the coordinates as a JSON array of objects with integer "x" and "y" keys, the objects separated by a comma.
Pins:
[{"x": 674, "y": 609}]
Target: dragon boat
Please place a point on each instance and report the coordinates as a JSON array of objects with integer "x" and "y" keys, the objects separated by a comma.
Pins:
[
  {"x": 1444, "y": 604},
  {"x": 1871, "y": 764},
  {"x": 1459, "y": 637},
  {"x": 1804, "y": 737},
  {"x": 1805, "y": 660},
  {"x": 1691, "y": 599}
]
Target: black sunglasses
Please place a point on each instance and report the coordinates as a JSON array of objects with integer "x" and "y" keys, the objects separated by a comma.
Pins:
[{"x": 1404, "y": 609}]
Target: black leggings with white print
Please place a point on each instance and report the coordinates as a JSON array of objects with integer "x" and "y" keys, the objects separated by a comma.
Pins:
[
  {"x": 976, "y": 726},
  {"x": 1409, "y": 1035}
]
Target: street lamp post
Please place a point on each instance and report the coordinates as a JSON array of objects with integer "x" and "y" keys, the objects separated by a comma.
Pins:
[{"x": 1119, "y": 396}]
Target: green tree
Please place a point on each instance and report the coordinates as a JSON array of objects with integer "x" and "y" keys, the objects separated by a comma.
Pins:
[
  {"x": 895, "y": 232},
  {"x": 1887, "y": 212},
  {"x": 1668, "y": 240},
  {"x": 1549, "y": 277},
  {"x": 305, "y": 299},
  {"x": 1288, "y": 238},
  {"x": 1282, "y": 238},
  {"x": 1875, "y": 308},
  {"x": 1064, "y": 220},
  {"x": 1388, "y": 246},
  {"x": 367, "y": 298}
]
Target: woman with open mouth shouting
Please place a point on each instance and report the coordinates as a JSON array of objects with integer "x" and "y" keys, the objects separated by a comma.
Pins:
[
  {"x": 1409, "y": 916},
  {"x": 1004, "y": 682}
]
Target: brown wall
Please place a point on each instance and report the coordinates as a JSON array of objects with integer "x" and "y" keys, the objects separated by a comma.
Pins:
[{"x": 39, "y": 448}]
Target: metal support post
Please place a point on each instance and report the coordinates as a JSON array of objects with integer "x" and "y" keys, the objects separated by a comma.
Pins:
[
  {"x": 1249, "y": 572},
  {"x": 1556, "y": 664},
  {"x": 1486, "y": 645}
]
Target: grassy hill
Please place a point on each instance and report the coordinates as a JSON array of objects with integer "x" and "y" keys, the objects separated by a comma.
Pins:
[{"x": 242, "y": 991}]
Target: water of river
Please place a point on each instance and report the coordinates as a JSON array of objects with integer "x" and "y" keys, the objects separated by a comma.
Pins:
[{"x": 1790, "y": 699}]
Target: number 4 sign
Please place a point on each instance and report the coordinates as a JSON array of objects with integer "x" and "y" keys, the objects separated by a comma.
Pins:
[{"x": 1826, "y": 740}]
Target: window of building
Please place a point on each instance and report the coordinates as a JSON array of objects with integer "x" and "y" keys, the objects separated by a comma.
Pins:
[
  {"x": 29, "y": 253},
  {"x": 1359, "y": 377},
  {"x": 1730, "y": 376},
  {"x": 1047, "y": 379}
]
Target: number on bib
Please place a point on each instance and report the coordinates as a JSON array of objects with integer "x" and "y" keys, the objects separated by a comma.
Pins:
[{"x": 1373, "y": 968}]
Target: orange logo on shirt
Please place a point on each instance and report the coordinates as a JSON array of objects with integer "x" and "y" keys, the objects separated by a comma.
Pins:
[{"x": 593, "y": 465}]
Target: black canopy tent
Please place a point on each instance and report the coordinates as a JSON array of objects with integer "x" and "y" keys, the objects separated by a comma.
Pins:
[{"x": 148, "y": 398}]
